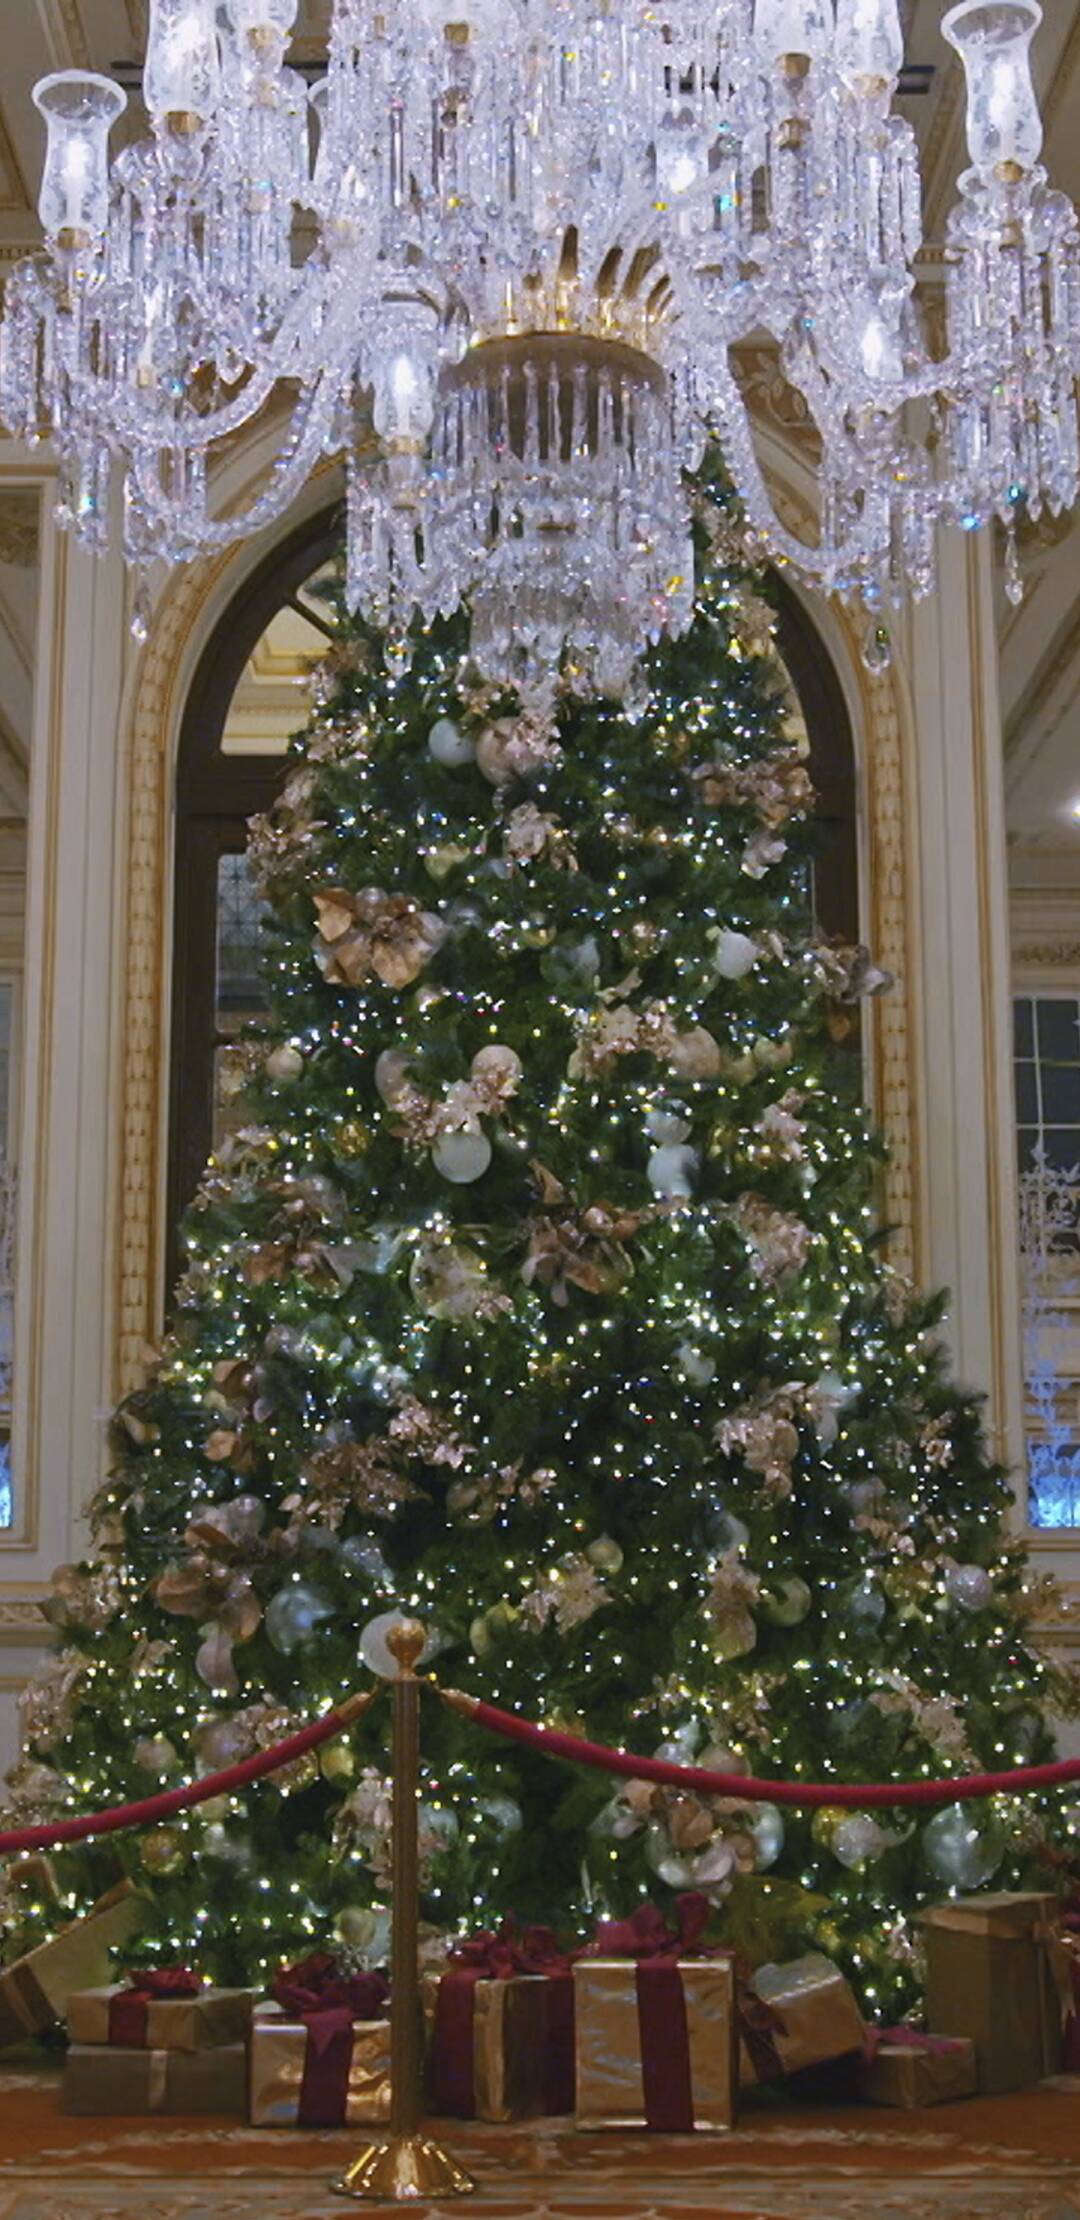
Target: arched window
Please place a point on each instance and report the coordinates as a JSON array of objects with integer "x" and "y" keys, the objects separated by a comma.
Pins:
[{"x": 246, "y": 701}]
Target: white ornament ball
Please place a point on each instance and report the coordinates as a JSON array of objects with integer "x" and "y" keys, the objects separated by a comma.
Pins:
[
  {"x": 969, "y": 1586},
  {"x": 867, "y": 1606},
  {"x": 696, "y": 1368},
  {"x": 156, "y": 1754},
  {"x": 963, "y": 1851},
  {"x": 505, "y": 1814},
  {"x": 449, "y": 745},
  {"x": 462, "y": 1157},
  {"x": 440, "y": 1824},
  {"x": 671, "y": 1172},
  {"x": 768, "y": 1835},
  {"x": 734, "y": 954},
  {"x": 366, "y": 1933},
  {"x": 391, "y": 1074},
  {"x": 491, "y": 757},
  {"x": 786, "y": 1604},
  {"x": 858, "y": 1839},
  {"x": 285, "y": 1063},
  {"x": 499, "y": 1064},
  {"x": 605, "y": 1554},
  {"x": 677, "y": 1872},
  {"x": 294, "y": 1614},
  {"x": 222, "y": 1742},
  {"x": 374, "y": 1652}
]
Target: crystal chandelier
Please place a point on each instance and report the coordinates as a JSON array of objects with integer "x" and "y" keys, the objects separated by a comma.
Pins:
[{"x": 502, "y": 260}]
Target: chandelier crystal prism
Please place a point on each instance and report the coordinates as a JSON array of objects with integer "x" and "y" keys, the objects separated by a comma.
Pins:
[{"x": 507, "y": 259}]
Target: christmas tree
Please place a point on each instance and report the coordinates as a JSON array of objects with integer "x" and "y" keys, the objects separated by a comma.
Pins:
[{"x": 538, "y": 1290}]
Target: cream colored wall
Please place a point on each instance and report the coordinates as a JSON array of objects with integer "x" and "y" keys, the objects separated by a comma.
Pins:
[{"x": 106, "y": 722}]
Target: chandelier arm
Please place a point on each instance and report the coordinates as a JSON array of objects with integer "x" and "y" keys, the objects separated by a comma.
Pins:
[
  {"x": 149, "y": 510},
  {"x": 818, "y": 567}
]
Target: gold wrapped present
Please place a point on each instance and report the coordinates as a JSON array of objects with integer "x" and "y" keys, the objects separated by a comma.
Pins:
[
  {"x": 325, "y": 2071},
  {"x": 130, "y": 2015},
  {"x": 100, "y": 2079},
  {"x": 656, "y": 2043},
  {"x": 996, "y": 1972},
  {"x": 487, "y": 2045},
  {"x": 35, "y": 1990},
  {"x": 811, "y": 2016},
  {"x": 908, "y": 2071}
]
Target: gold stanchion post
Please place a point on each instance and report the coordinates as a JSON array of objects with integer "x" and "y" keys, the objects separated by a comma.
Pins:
[{"x": 407, "y": 2164}]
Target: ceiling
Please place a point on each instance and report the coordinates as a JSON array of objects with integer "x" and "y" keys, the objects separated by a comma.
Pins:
[{"x": 1040, "y": 642}]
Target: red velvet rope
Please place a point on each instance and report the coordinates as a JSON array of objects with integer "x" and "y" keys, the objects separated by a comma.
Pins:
[
  {"x": 876, "y": 1796},
  {"x": 173, "y": 1800}
]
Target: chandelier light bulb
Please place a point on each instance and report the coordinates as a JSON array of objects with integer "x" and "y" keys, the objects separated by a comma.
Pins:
[
  {"x": 791, "y": 27},
  {"x": 993, "y": 39},
  {"x": 403, "y": 408},
  {"x": 869, "y": 45},
  {"x": 79, "y": 112},
  {"x": 255, "y": 16},
  {"x": 183, "y": 67}
]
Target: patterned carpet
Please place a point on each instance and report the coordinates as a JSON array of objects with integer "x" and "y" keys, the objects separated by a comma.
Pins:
[{"x": 1013, "y": 2159}]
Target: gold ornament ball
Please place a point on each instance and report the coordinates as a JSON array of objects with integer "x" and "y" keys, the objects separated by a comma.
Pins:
[
  {"x": 337, "y": 1762},
  {"x": 216, "y": 1807},
  {"x": 164, "y": 1851},
  {"x": 353, "y": 1138},
  {"x": 824, "y": 1824}
]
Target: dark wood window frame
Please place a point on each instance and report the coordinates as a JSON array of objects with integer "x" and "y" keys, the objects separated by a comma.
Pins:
[{"x": 216, "y": 795}]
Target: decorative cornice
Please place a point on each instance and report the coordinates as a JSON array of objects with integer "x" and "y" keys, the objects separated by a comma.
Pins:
[
  {"x": 22, "y": 1620},
  {"x": 1047, "y": 955}
]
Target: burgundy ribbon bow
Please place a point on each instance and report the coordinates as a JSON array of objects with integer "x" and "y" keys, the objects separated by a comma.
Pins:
[
  {"x": 647, "y": 1935},
  {"x": 499, "y": 1956},
  {"x": 328, "y": 2001},
  {"x": 129, "y": 2010}
]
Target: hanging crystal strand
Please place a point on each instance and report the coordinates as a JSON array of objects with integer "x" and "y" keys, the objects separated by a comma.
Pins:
[
  {"x": 530, "y": 453},
  {"x": 551, "y": 432}
]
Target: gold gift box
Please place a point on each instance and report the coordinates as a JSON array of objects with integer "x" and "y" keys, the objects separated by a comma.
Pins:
[
  {"x": 993, "y": 1973},
  {"x": 35, "y": 1991},
  {"x": 610, "y": 2082},
  {"x": 817, "y": 2016},
  {"x": 509, "y": 2038},
  {"x": 205, "y": 2021},
  {"x": 99, "y": 2080},
  {"x": 908, "y": 2077},
  {"x": 278, "y": 2054}
]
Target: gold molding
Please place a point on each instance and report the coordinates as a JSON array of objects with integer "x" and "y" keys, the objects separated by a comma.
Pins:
[
  {"x": 9, "y": 161},
  {"x": 1052, "y": 667},
  {"x": 66, "y": 33},
  {"x": 144, "y": 1086},
  {"x": 1003, "y": 1235},
  {"x": 1061, "y": 82},
  {"x": 889, "y": 906}
]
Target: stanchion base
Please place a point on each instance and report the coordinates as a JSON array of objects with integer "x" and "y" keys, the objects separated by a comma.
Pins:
[{"x": 403, "y": 2169}]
